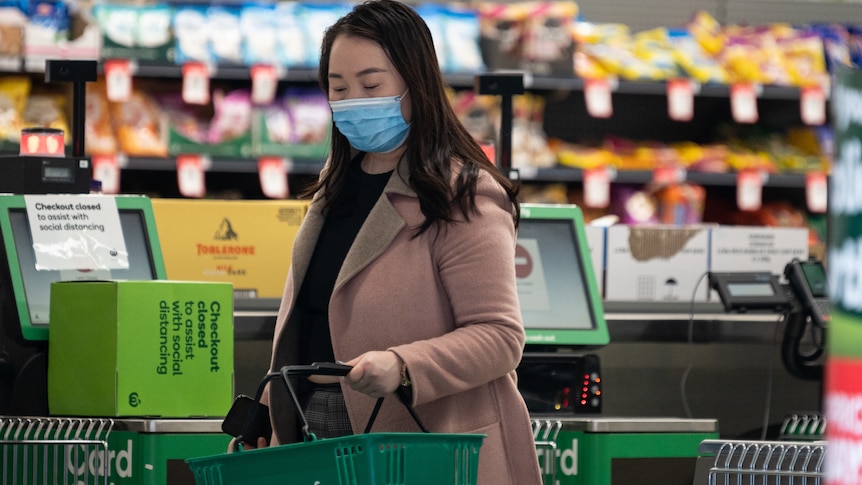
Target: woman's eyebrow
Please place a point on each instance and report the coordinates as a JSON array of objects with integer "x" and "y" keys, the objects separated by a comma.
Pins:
[
  {"x": 371, "y": 70},
  {"x": 364, "y": 72}
]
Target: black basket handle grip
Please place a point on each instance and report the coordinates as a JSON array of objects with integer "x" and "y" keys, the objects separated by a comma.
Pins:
[{"x": 340, "y": 369}]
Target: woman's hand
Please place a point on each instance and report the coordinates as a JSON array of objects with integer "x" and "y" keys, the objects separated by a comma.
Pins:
[
  {"x": 261, "y": 443},
  {"x": 375, "y": 373}
]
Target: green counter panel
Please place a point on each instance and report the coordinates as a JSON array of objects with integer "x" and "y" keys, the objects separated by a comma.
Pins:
[
  {"x": 162, "y": 456},
  {"x": 599, "y": 454},
  {"x": 616, "y": 451}
]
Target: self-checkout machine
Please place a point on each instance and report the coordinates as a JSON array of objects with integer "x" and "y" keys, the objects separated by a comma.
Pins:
[
  {"x": 51, "y": 428},
  {"x": 559, "y": 378}
]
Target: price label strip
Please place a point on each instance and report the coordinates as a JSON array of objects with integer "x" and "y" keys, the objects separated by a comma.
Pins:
[
  {"x": 598, "y": 95},
  {"x": 118, "y": 80},
  {"x": 812, "y": 106},
  {"x": 190, "y": 176},
  {"x": 106, "y": 169},
  {"x": 264, "y": 81},
  {"x": 749, "y": 190},
  {"x": 816, "y": 192},
  {"x": 273, "y": 177},
  {"x": 597, "y": 187},
  {"x": 668, "y": 175},
  {"x": 196, "y": 83},
  {"x": 680, "y": 99},
  {"x": 743, "y": 102}
]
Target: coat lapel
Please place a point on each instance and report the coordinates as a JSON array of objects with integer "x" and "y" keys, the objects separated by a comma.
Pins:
[{"x": 380, "y": 228}]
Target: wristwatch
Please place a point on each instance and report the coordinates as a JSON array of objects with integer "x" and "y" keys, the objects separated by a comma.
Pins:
[{"x": 405, "y": 376}]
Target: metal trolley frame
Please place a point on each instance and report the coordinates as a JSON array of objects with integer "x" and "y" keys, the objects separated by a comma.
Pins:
[
  {"x": 765, "y": 462},
  {"x": 36, "y": 450},
  {"x": 545, "y": 433}
]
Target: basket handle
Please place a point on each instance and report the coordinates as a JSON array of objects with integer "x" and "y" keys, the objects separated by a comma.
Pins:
[
  {"x": 339, "y": 369},
  {"x": 255, "y": 408},
  {"x": 286, "y": 372},
  {"x": 401, "y": 394},
  {"x": 316, "y": 368}
]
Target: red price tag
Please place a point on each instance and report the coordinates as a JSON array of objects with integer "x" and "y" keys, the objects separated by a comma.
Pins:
[
  {"x": 749, "y": 190},
  {"x": 597, "y": 187},
  {"x": 668, "y": 175},
  {"x": 598, "y": 97},
  {"x": 273, "y": 177},
  {"x": 816, "y": 192},
  {"x": 190, "y": 175},
  {"x": 196, "y": 83},
  {"x": 118, "y": 80},
  {"x": 812, "y": 105},
  {"x": 106, "y": 169},
  {"x": 264, "y": 80},
  {"x": 490, "y": 150},
  {"x": 743, "y": 102},
  {"x": 680, "y": 99}
]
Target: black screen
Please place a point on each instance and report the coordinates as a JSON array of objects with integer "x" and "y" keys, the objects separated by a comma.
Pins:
[
  {"x": 551, "y": 280},
  {"x": 815, "y": 275}
]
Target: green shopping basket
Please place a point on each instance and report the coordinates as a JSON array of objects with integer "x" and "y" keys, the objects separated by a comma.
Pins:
[{"x": 364, "y": 459}]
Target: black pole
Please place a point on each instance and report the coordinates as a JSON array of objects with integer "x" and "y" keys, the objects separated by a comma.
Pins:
[
  {"x": 79, "y": 109},
  {"x": 79, "y": 73},
  {"x": 504, "y": 155},
  {"x": 505, "y": 85}
]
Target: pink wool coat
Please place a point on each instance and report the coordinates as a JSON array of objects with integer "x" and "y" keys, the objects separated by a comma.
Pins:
[{"x": 447, "y": 304}]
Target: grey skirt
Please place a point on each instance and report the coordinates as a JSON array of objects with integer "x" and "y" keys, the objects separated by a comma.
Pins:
[{"x": 326, "y": 412}]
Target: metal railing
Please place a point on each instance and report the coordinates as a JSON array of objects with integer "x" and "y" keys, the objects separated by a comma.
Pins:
[
  {"x": 42, "y": 451},
  {"x": 545, "y": 432},
  {"x": 803, "y": 427},
  {"x": 765, "y": 462}
]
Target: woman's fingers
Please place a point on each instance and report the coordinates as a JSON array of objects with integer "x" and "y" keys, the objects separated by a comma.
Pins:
[
  {"x": 374, "y": 373},
  {"x": 261, "y": 443}
]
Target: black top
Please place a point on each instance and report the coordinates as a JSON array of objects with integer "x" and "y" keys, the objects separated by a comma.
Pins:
[{"x": 343, "y": 221}]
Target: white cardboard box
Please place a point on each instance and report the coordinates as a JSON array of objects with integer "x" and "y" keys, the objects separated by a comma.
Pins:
[
  {"x": 596, "y": 243},
  {"x": 754, "y": 248},
  {"x": 656, "y": 263}
]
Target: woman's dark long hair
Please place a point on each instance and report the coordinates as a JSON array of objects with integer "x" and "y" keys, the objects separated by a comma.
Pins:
[{"x": 436, "y": 135}]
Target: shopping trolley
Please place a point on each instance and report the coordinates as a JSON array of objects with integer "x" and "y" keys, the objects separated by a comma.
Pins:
[
  {"x": 43, "y": 451},
  {"x": 765, "y": 462},
  {"x": 803, "y": 427},
  {"x": 364, "y": 459},
  {"x": 545, "y": 432}
]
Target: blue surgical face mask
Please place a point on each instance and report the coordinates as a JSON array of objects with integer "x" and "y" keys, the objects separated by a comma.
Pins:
[{"x": 371, "y": 124}]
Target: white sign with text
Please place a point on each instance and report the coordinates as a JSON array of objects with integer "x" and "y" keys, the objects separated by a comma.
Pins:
[{"x": 76, "y": 232}]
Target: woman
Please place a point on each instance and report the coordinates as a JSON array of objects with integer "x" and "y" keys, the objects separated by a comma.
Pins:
[{"x": 404, "y": 265}]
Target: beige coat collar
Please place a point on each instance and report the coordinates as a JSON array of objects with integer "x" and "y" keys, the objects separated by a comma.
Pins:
[{"x": 380, "y": 228}]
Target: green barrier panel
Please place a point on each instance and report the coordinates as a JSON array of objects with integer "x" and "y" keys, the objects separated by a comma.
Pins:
[{"x": 605, "y": 451}]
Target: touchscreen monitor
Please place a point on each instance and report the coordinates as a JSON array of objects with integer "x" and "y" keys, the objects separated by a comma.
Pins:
[
  {"x": 27, "y": 291},
  {"x": 559, "y": 297}
]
